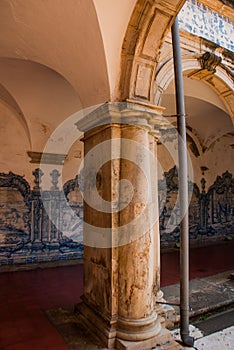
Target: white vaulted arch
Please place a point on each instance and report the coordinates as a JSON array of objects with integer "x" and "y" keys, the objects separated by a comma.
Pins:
[{"x": 220, "y": 83}]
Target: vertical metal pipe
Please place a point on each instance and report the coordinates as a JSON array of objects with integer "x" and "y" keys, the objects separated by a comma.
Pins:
[{"x": 183, "y": 189}]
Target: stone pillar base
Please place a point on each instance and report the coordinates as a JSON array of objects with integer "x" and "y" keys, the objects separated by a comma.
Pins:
[
  {"x": 101, "y": 328},
  {"x": 162, "y": 341},
  {"x": 104, "y": 330},
  {"x": 138, "y": 329}
]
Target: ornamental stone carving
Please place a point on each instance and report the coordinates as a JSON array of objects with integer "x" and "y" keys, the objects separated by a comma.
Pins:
[{"x": 210, "y": 61}]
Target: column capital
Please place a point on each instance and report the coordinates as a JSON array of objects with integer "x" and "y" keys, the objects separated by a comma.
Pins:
[{"x": 129, "y": 112}]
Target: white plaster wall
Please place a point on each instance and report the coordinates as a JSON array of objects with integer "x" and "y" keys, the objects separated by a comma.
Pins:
[
  {"x": 62, "y": 35},
  {"x": 218, "y": 158},
  {"x": 13, "y": 144}
]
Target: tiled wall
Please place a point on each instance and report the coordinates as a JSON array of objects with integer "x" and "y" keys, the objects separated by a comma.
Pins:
[
  {"x": 211, "y": 212},
  {"x": 198, "y": 19},
  {"x": 37, "y": 225}
]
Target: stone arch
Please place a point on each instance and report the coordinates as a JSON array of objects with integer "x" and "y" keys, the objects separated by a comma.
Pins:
[
  {"x": 146, "y": 31},
  {"x": 145, "y": 35},
  {"x": 219, "y": 81},
  {"x": 165, "y": 74},
  {"x": 217, "y": 88}
]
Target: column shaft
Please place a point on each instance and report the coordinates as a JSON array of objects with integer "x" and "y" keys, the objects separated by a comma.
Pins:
[{"x": 121, "y": 233}]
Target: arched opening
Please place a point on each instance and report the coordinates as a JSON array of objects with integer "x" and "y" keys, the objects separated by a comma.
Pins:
[
  {"x": 208, "y": 85},
  {"x": 209, "y": 136}
]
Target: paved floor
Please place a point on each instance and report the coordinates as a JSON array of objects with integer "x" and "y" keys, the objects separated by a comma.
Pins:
[
  {"x": 206, "y": 293},
  {"x": 212, "y": 329},
  {"x": 216, "y": 291},
  {"x": 26, "y": 295},
  {"x": 216, "y": 322},
  {"x": 222, "y": 340}
]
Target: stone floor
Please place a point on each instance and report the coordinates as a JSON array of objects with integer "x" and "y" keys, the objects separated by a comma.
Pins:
[
  {"x": 26, "y": 296},
  {"x": 78, "y": 339},
  {"x": 222, "y": 340},
  {"x": 207, "y": 294}
]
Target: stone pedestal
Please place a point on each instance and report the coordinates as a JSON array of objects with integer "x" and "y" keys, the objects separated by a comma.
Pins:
[{"x": 121, "y": 233}]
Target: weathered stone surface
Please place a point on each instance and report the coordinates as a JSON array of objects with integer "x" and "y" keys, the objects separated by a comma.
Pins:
[{"x": 121, "y": 233}]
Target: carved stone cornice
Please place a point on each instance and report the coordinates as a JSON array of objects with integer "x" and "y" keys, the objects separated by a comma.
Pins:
[
  {"x": 46, "y": 158},
  {"x": 131, "y": 112}
]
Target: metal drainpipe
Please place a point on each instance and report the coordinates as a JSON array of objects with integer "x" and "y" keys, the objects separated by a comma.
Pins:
[{"x": 183, "y": 189}]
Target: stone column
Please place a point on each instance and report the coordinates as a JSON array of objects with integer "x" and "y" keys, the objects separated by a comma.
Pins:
[{"x": 121, "y": 233}]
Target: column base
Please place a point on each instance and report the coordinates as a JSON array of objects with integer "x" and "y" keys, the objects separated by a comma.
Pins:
[
  {"x": 162, "y": 341},
  {"x": 105, "y": 331},
  {"x": 138, "y": 329},
  {"x": 101, "y": 328}
]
